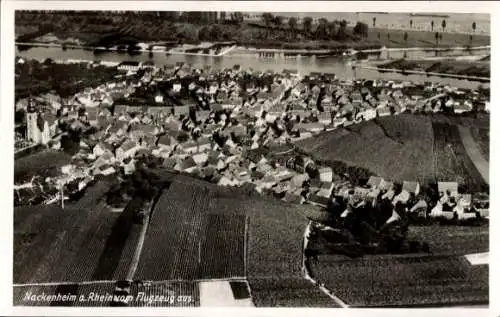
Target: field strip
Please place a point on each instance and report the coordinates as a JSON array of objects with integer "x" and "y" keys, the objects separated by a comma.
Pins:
[
  {"x": 140, "y": 244},
  {"x": 308, "y": 277},
  {"x": 236, "y": 278},
  {"x": 474, "y": 153},
  {"x": 245, "y": 241},
  {"x": 466, "y": 234}
]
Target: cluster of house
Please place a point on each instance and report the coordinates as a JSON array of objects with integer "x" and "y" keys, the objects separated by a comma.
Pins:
[
  {"x": 451, "y": 204},
  {"x": 210, "y": 135},
  {"x": 293, "y": 183}
]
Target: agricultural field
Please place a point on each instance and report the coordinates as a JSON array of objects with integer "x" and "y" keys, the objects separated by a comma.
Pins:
[
  {"x": 482, "y": 138},
  {"x": 394, "y": 147},
  {"x": 404, "y": 281},
  {"x": 442, "y": 277},
  {"x": 44, "y": 164},
  {"x": 452, "y": 240},
  {"x": 288, "y": 292},
  {"x": 171, "y": 247},
  {"x": 224, "y": 240},
  {"x": 399, "y": 148},
  {"x": 75, "y": 244},
  {"x": 196, "y": 223}
]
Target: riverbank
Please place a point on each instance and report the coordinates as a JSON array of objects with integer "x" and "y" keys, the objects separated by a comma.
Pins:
[
  {"x": 112, "y": 29},
  {"x": 471, "y": 70}
]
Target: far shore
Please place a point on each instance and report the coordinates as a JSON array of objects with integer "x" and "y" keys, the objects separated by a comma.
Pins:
[{"x": 417, "y": 72}]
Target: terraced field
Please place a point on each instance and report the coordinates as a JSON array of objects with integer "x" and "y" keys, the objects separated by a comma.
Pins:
[
  {"x": 223, "y": 248},
  {"x": 72, "y": 244},
  {"x": 213, "y": 248},
  {"x": 405, "y": 281},
  {"x": 405, "y": 147},
  {"x": 171, "y": 248},
  {"x": 441, "y": 278}
]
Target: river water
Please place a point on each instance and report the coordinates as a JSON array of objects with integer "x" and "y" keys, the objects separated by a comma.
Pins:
[{"x": 305, "y": 65}]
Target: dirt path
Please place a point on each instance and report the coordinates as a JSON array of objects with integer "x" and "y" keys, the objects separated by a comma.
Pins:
[
  {"x": 474, "y": 153},
  {"x": 307, "y": 274}
]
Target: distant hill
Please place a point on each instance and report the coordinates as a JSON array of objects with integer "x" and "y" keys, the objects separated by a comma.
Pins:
[{"x": 427, "y": 148}]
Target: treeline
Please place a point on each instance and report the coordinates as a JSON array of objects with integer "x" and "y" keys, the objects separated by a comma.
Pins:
[
  {"x": 42, "y": 30},
  {"x": 34, "y": 78},
  {"x": 185, "y": 26}
]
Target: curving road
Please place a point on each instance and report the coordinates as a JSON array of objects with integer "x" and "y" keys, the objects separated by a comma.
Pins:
[{"x": 307, "y": 273}]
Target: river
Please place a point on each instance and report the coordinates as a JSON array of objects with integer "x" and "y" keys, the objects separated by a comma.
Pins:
[{"x": 338, "y": 65}]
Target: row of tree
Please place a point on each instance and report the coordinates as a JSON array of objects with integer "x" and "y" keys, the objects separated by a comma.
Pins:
[{"x": 443, "y": 24}]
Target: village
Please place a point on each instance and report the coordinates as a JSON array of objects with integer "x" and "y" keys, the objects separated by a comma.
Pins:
[{"x": 211, "y": 124}]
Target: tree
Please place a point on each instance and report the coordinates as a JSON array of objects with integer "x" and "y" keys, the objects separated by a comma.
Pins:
[
  {"x": 436, "y": 36},
  {"x": 374, "y": 19},
  {"x": 204, "y": 33},
  {"x": 278, "y": 21},
  {"x": 342, "y": 31},
  {"x": 432, "y": 26},
  {"x": 292, "y": 23},
  {"x": 406, "y": 37},
  {"x": 443, "y": 25},
  {"x": 48, "y": 61},
  {"x": 331, "y": 30},
  {"x": 411, "y": 24},
  {"x": 361, "y": 29},
  {"x": 474, "y": 27},
  {"x": 216, "y": 32},
  {"x": 307, "y": 24},
  {"x": 267, "y": 18},
  {"x": 237, "y": 17},
  {"x": 321, "y": 29}
]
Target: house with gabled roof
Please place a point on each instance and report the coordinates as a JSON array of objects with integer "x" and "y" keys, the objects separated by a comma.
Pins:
[
  {"x": 139, "y": 131},
  {"x": 120, "y": 109},
  {"x": 375, "y": 181},
  {"x": 166, "y": 141},
  {"x": 449, "y": 188},
  {"x": 326, "y": 174},
  {"x": 420, "y": 208},
  {"x": 187, "y": 165},
  {"x": 383, "y": 112},
  {"x": 402, "y": 197},
  {"x": 102, "y": 147},
  {"x": 127, "y": 149}
]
